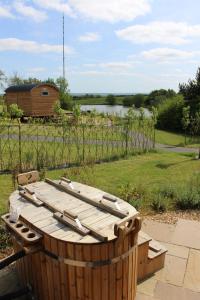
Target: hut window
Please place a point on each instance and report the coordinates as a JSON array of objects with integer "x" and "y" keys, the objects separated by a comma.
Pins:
[{"x": 45, "y": 93}]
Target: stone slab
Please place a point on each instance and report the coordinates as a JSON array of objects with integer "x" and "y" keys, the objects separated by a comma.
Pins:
[
  {"x": 141, "y": 296},
  {"x": 174, "y": 270},
  {"x": 147, "y": 287},
  {"x": 166, "y": 291},
  {"x": 192, "y": 276},
  {"x": 159, "y": 231},
  {"x": 9, "y": 282},
  {"x": 175, "y": 250},
  {"x": 187, "y": 233}
]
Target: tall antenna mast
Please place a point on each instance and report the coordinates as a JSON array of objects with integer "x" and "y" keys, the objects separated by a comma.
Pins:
[{"x": 63, "y": 46}]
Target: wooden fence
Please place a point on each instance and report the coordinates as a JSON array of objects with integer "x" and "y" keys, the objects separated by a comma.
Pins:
[{"x": 30, "y": 146}]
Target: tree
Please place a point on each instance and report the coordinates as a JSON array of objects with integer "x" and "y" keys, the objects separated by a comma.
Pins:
[
  {"x": 154, "y": 117},
  {"x": 65, "y": 98},
  {"x": 157, "y": 97},
  {"x": 15, "y": 111},
  {"x": 15, "y": 79},
  {"x": 111, "y": 100},
  {"x": 128, "y": 101},
  {"x": 191, "y": 92},
  {"x": 2, "y": 79},
  {"x": 186, "y": 120},
  {"x": 170, "y": 114},
  {"x": 138, "y": 100}
]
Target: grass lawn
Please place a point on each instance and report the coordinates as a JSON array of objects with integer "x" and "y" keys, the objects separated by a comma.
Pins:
[
  {"x": 174, "y": 139},
  {"x": 146, "y": 172}
]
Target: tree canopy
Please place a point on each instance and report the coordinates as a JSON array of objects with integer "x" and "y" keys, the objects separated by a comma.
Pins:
[
  {"x": 157, "y": 97},
  {"x": 191, "y": 91}
]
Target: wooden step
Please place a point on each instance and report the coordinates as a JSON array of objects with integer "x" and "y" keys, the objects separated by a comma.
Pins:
[{"x": 151, "y": 256}]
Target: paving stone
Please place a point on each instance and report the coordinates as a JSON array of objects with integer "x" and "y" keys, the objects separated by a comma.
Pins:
[
  {"x": 192, "y": 276},
  {"x": 166, "y": 291},
  {"x": 147, "y": 287},
  {"x": 187, "y": 233},
  {"x": 173, "y": 271},
  {"x": 9, "y": 282},
  {"x": 159, "y": 231},
  {"x": 175, "y": 250},
  {"x": 141, "y": 296}
]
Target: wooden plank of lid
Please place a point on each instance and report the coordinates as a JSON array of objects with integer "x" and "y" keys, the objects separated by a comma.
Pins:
[{"x": 105, "y": 207}]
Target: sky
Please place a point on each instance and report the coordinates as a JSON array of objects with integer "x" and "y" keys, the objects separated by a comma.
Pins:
[{"x": 111, "y": 46}]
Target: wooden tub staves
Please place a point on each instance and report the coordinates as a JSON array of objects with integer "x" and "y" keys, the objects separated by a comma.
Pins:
[{"x": 80, "y": 242}]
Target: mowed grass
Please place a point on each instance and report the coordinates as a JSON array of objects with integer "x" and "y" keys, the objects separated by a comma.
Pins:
[
  {"x": 175, "y": 139},
  {"x": 150, "y": 172}
]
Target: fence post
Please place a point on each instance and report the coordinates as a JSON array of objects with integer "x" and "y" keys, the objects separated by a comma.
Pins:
[
  {"x": 126, "y": 137},
  {"x": 83, "y": 128},
  {"x": 20, "y": 148}
]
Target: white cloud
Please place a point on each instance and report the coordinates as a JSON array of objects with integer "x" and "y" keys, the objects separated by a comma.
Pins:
[
  {"x": 13, "y": 44},
  {"x": 5, "y": 12},
  {"x": 117, "y": 65},
  {"x": 58, "y": 5},
  {"x": 29, "y": 11},
  {"x": 160, "y": 32},
  {"x": 110, "y": 10},
  {"x": 90, "y": 37},
  {"x": 168, "y": 54},
  {"x": 36, "y": 70}
]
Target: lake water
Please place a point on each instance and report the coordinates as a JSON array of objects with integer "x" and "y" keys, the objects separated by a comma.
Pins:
[{"x": 111, "y": 109}]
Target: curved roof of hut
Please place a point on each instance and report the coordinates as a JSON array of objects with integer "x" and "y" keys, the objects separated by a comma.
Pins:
[{"x": 27, "y": 87}]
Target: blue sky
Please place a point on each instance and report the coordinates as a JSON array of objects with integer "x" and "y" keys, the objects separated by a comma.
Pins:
[{"x": 112, "y": 46}]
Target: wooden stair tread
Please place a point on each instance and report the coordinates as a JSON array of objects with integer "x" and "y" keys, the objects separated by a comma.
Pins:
[
  {"x": 143, "y": 238},
  {"x": 152, "y": 254}
]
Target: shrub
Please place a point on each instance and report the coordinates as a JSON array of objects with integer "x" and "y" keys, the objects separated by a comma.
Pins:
[
  {"x": 170, "y": 114},
  {"x": 159, "y": 203},
  {"x": 132, "y": 195},
  {"x": 128, "y": 101},
  {"x": 188, "y": 199},
  {"x": 138, "y": 100},
  {"x": 111, "y": 100}
]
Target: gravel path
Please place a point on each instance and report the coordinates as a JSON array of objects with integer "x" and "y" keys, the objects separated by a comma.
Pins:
[{"x": 176, "y": 149}]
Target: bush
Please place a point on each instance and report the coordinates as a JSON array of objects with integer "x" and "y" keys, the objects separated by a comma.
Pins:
[
  {"x": 138, "y": 100},
  {"x": 188, "y": 199},
  {"x": 110, "y": 100},
  {"x": 170, "y": 114},
  {"x": 128, "y": 101},
  {"x": 159, "y": 203},
  {"x": 15, "y": 111},
  {"x": 158, "y": 96},
  {"x": 133, "y": 195}
]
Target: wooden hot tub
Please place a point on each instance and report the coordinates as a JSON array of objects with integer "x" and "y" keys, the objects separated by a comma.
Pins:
[{"x": 81, "y": 243}]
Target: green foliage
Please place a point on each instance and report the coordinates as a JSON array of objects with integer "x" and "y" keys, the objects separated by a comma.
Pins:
[
  {"x": 5, "y": 238},
  {"x": 76, "y": 112},
  {"x": 15, "y": 111},
  {"x": 137, "y": 100},
  {"x": 133, "y": 195},
  {"x": 128, "y": 101},
  {"x": 158, "y": 97},
  {"x": 159, "y": 204},
  {"x": 191, "y": 91},
  {"x": 170, "y": 114},
  {"x": 2, "y": 79},
  {"x": 65, "y": 98},
  {"x": 110, "y": 100}
]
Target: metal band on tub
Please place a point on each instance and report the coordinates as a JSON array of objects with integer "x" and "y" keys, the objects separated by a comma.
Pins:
[{"x": 90, "y": 264}]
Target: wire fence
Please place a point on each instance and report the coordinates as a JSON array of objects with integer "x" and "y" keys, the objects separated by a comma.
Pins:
[{"x": 36, "y": 146}]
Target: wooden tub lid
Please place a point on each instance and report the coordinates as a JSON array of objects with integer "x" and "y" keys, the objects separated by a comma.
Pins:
[{"x": 47, "y": 204}]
